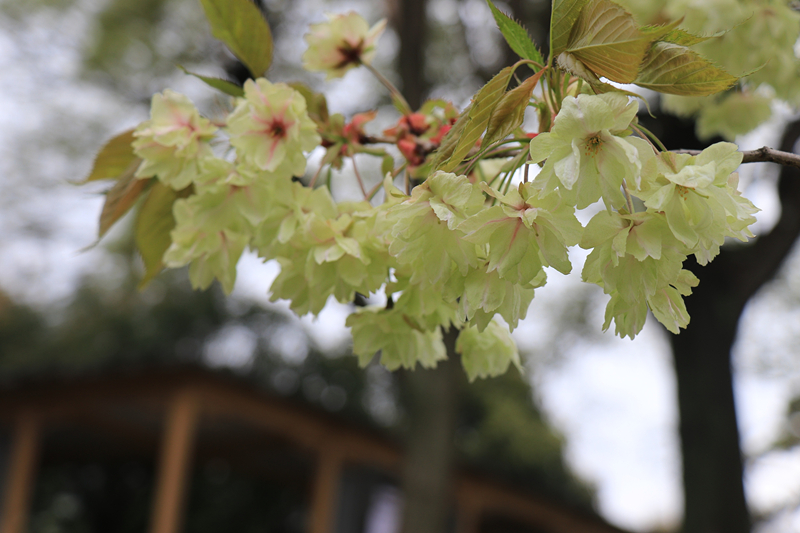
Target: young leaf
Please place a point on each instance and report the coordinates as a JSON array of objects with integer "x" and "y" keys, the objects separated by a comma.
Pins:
[
  {"x": 684, "y": 38},
  {"x": 401, "y": 105},
  {"x": 387, "y": 165},
  {"x": 115, "y": 159},
  {"x": 674, "y": 69},
  {"x": 450, "y": 141},
  {"x": 119, "y": 199},
  {"x": 510, "y": 110},
  {"x": 472, "y": 123},
  {"x": 607, "y": 40},
  {"x": 219, "y": 84},
  {"x": 316, "y": 104},
  {"x": 516, "y": 36},
  {"x": 600, "y": 87},
  {"x": 562, "y": 18},
  {"x": 153, "y": 227},
  {"x": 241, "y": 26}
]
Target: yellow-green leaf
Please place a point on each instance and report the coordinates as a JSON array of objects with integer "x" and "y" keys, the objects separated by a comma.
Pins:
[
  {"x": 241, "y": 26},
  {"x": 510, "y": 110},
  {"x": 684, "y": 38},
  {"x": 119, "y": 199},
  {"x": 450, "y": 140},
  {"x": 602, "y": 88},
  {"x": 387, "y": 165},
  {"x": 219, "y": 84},
  {"x": 115, "y": 159},
  {"x": 675, "y": 69},
  {"x": 607, "y": 40},
  {"x": 516, "y": 36},
  {"x": 562, "y": 19},
  {"x": 153, "y": 227},
  {"x": 400, "y": 104},
  {"x": 472, "y": 123}
]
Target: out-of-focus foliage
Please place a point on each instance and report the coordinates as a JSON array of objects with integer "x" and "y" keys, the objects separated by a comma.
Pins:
[
  {"x": 753, "y": 38},
  {"x": 110, "y": 325},
  {"x": 502, "y": 433},
  {"x": 132, "y": 37}
]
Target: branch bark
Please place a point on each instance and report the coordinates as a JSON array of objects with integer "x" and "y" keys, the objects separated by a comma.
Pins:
[
  {"x": 432, "y": 403},
  {"x": 712, "y": 465},
  {"x": 764, "y": 154}
]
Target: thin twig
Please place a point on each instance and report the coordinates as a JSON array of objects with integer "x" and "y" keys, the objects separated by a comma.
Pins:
[
  {"x": 396, "y": 172},
  {"x": 628, "y": 198},
  {"x": 764, "y": 154},
  {"x": 374, "y": 139},
  {"x": 374, "y": 191},
  {"x": 358, "y": 177},
  {"x": 646, "y": 136},
  {"x": 316, "y": 176}
]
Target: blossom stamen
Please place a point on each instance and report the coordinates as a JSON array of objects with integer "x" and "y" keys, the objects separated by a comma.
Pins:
[
  {"x": 593, "y": 144},
  {"x": 277, "y": 129}
]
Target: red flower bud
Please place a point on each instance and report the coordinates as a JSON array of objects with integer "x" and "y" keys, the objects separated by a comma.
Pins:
[
  {"x": 418, "y": 123},
  {"x": 437, "y": 139}
]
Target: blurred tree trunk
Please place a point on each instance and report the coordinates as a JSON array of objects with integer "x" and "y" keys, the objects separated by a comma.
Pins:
[
  {"x": 712, "y": 458},
  {"x": 432, "y": 403},
  {"x": 410, "y": 21},
  {"x": 431, "y": 395}
]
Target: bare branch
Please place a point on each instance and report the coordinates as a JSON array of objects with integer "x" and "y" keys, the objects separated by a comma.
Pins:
[{"x": 762, "y": 155}]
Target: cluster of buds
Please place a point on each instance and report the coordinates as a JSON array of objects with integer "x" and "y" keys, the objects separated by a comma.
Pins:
[
  {"x": 342, "y": 139},
  {"x": 419, "y": 134}
]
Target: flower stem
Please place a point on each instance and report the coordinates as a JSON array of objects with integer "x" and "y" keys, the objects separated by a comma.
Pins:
[
  {"x": 392, "y": 89},
  {"x": 628, "y": 198},
  {"x": 374, "y": 191},
  {"x": 358, "y": 177},
  {"x": 316, "y": 176},
  {"x": 645, "y": 133}
]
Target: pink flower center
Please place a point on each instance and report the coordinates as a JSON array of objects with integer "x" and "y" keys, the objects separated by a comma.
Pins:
[
  {"x": 351, "y": 54},
  {"x": 278, "y": 129}
]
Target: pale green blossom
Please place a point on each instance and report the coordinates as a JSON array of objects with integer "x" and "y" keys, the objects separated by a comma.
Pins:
[
  {"x": 174, "y": 142},
  {"x": 588, "y": 154},
  {"x": 698, "y": 196},
  {"x": 344, "y": 42},
  {"x": 270, "y": 128}
]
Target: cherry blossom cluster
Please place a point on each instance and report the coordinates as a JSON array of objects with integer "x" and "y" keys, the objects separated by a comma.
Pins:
[{"x": 453, "y": 248}]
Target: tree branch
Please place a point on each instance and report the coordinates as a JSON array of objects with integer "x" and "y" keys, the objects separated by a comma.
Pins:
[{"x": 764, "y": 154}]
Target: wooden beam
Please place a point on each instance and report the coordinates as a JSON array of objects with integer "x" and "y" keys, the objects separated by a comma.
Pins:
[
  {"x": 306, "y": 430},
  {"x": 468, "y": 512},
  {"x": 325, "y": 492},
  {"x": 175, "y": 462},
  {"x": 22, "y": 465},
  {"x": 486, "y": 497}
]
